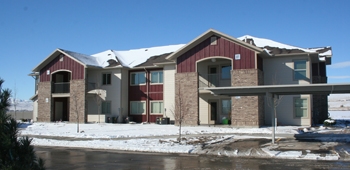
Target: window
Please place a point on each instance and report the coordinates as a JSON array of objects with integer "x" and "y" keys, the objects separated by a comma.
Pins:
[
  {"x": 226, "y": 106},
  {"x": 137, "y": 108},
  {"x": 157, "y": 107},
  {"x": 157, "y": 77},
  {"x": 300, "y": 107},
  {"x": 138, "y": 78},
  {"x": 300, "y": 70},
  {"x": 213, "y": 40},
  {"x": 106, "y": 107},
  {"x": 226, "y": 72},
  {"x": 106, "y": 78}
]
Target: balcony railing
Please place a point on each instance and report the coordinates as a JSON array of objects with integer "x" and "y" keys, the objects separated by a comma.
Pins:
[
  {"x": 62, "y": 87},
  {"x": 214, "y": 80},
  {"x": 91, "y": 86}
]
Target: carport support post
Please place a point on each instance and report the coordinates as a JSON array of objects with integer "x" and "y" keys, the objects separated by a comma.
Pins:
[{"x": 269, "y": 98}]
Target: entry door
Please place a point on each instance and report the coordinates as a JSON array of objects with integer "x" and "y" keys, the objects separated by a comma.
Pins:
[
  {"x": 213, "y": 76},
  {"x": 58, "y": 111},
  {"x": 213, "y": 113}
]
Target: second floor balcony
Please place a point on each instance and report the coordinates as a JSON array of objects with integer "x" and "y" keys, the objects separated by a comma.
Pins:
[
  {"x": 214, "y": 80},
  {"x": 61, "y": 87}
]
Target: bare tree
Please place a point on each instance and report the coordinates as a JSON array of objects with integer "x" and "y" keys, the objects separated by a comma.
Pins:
[
  {"x": 98, "y": 98},
  {"x": 179, "y": 113},
  {"x": 276, "y": 100},
  {"x": 15, "y": 100},
  {"x": 76, "y": 107}
]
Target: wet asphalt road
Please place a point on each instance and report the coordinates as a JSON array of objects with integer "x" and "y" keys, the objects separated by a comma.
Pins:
[{"x": 81, "y": 159}]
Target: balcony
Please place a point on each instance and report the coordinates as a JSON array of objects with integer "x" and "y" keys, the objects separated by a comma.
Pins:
[
  {"x": 91, "y": 86},
  {"x": 62, "y": 87},
  {"x": 214, "y": 80}
]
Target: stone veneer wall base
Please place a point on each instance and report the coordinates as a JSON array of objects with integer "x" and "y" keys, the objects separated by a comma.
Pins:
[
  {"x": 247, "y": 111},
  {"x": 186, "y": 98}
]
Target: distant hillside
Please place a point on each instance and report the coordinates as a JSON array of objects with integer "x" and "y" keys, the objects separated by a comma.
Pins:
[
  {"x": 339, "y": 102},
  {"x": 21, "y": 104}
]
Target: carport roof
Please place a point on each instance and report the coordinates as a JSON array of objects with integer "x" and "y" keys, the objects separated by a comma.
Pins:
[{"x": 281, "y": 89}]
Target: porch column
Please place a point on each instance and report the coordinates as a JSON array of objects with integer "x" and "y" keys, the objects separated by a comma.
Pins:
[{"x": 269, "y": 98}]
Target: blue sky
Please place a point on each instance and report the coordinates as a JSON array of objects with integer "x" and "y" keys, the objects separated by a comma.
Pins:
[{"x": 31, "y": 30}]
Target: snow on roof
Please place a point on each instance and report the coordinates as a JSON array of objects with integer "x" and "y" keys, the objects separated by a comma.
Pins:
[
  {"x": 86, "y": 59},
  {"x": 132, "y": 58},
  {"x": 103, "y": 57},
  {"x": 262, "y": 43}
]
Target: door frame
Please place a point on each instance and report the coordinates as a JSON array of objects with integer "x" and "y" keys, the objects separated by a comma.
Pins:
[{"x": 213, "y": 122}]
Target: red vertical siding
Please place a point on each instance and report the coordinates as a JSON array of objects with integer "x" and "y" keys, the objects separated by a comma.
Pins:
[
  {"x": 224, "y": 48},
  {"x": 77, "y": 69},
  {"x": 139, "y": 93}
]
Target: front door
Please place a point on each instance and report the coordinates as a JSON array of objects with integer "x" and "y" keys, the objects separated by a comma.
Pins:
[
  {"x": 213, "y": 112},
  {"x": 61, "y": 109}
]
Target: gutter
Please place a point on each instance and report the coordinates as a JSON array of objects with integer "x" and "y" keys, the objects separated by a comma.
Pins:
[{"x": 147, "y": 99}]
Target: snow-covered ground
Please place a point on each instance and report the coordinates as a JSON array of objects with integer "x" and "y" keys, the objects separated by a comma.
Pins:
[
  {"x": 136, "y": 137},
  {"x": 159, "y": 138}
]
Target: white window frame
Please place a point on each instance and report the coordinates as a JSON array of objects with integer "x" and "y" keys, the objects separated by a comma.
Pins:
[
  {"x": 110, "y": 79},
  {"x": 143, "y": 102},
  {"x": 158, "y": 71},
  {"x": 138, "y": 73},
  {"x": 307, "y": 108},
  {"x": 296, "y": 70},
  {"x": 110, "y": 107},
  {"x": 156, "y": 101}
]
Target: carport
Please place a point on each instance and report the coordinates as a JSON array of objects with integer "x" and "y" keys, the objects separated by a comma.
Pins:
[{"x": 273, "y": 91}]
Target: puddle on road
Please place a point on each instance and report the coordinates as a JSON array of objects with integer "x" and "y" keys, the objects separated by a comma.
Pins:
[
  {"x": 246, "y": 144},
  {"x": 67, "y": 158}
]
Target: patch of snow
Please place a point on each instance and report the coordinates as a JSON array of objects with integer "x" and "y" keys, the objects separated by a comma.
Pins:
[
  {"x": 263, "y": 42},
  {"x": 132, "y": 58},
  {"x": 339, "y": 114},
  {"x": 330, "y": 121},
  {"x": 103, "y": 57}
]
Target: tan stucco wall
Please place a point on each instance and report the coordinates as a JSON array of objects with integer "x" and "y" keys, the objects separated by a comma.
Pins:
[
  {"x": 35, "y": 110},
  {"x": 114, "y": 94},
  {"x": 285, "y": 112},
  {"x": 169, "y": 90},
  {"x": 204, "y": 111},
  {"x": 279, "y": 71}
]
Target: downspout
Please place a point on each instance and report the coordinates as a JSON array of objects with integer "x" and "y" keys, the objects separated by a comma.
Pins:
[{"x": 147, "y": 94}]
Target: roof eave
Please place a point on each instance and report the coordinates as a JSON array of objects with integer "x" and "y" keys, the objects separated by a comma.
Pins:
[
  {"x": 206, "y": 35},
  {"x": 80, "y": 62},
  {"x": 164, "y": 63},
  {"x": 44, "y": 62},
  {"x": 142, "y": 67}
]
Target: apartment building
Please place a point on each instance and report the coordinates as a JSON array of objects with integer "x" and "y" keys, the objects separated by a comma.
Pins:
[{"x": 173, "y": 81}]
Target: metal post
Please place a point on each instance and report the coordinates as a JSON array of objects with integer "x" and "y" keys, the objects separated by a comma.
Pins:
[{"x": 269, "y": 98}]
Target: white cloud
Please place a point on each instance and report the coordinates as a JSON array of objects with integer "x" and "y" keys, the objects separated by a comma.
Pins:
[
  {"x": 339, "y": 77},
  {"x": 340, "y": 65}
]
